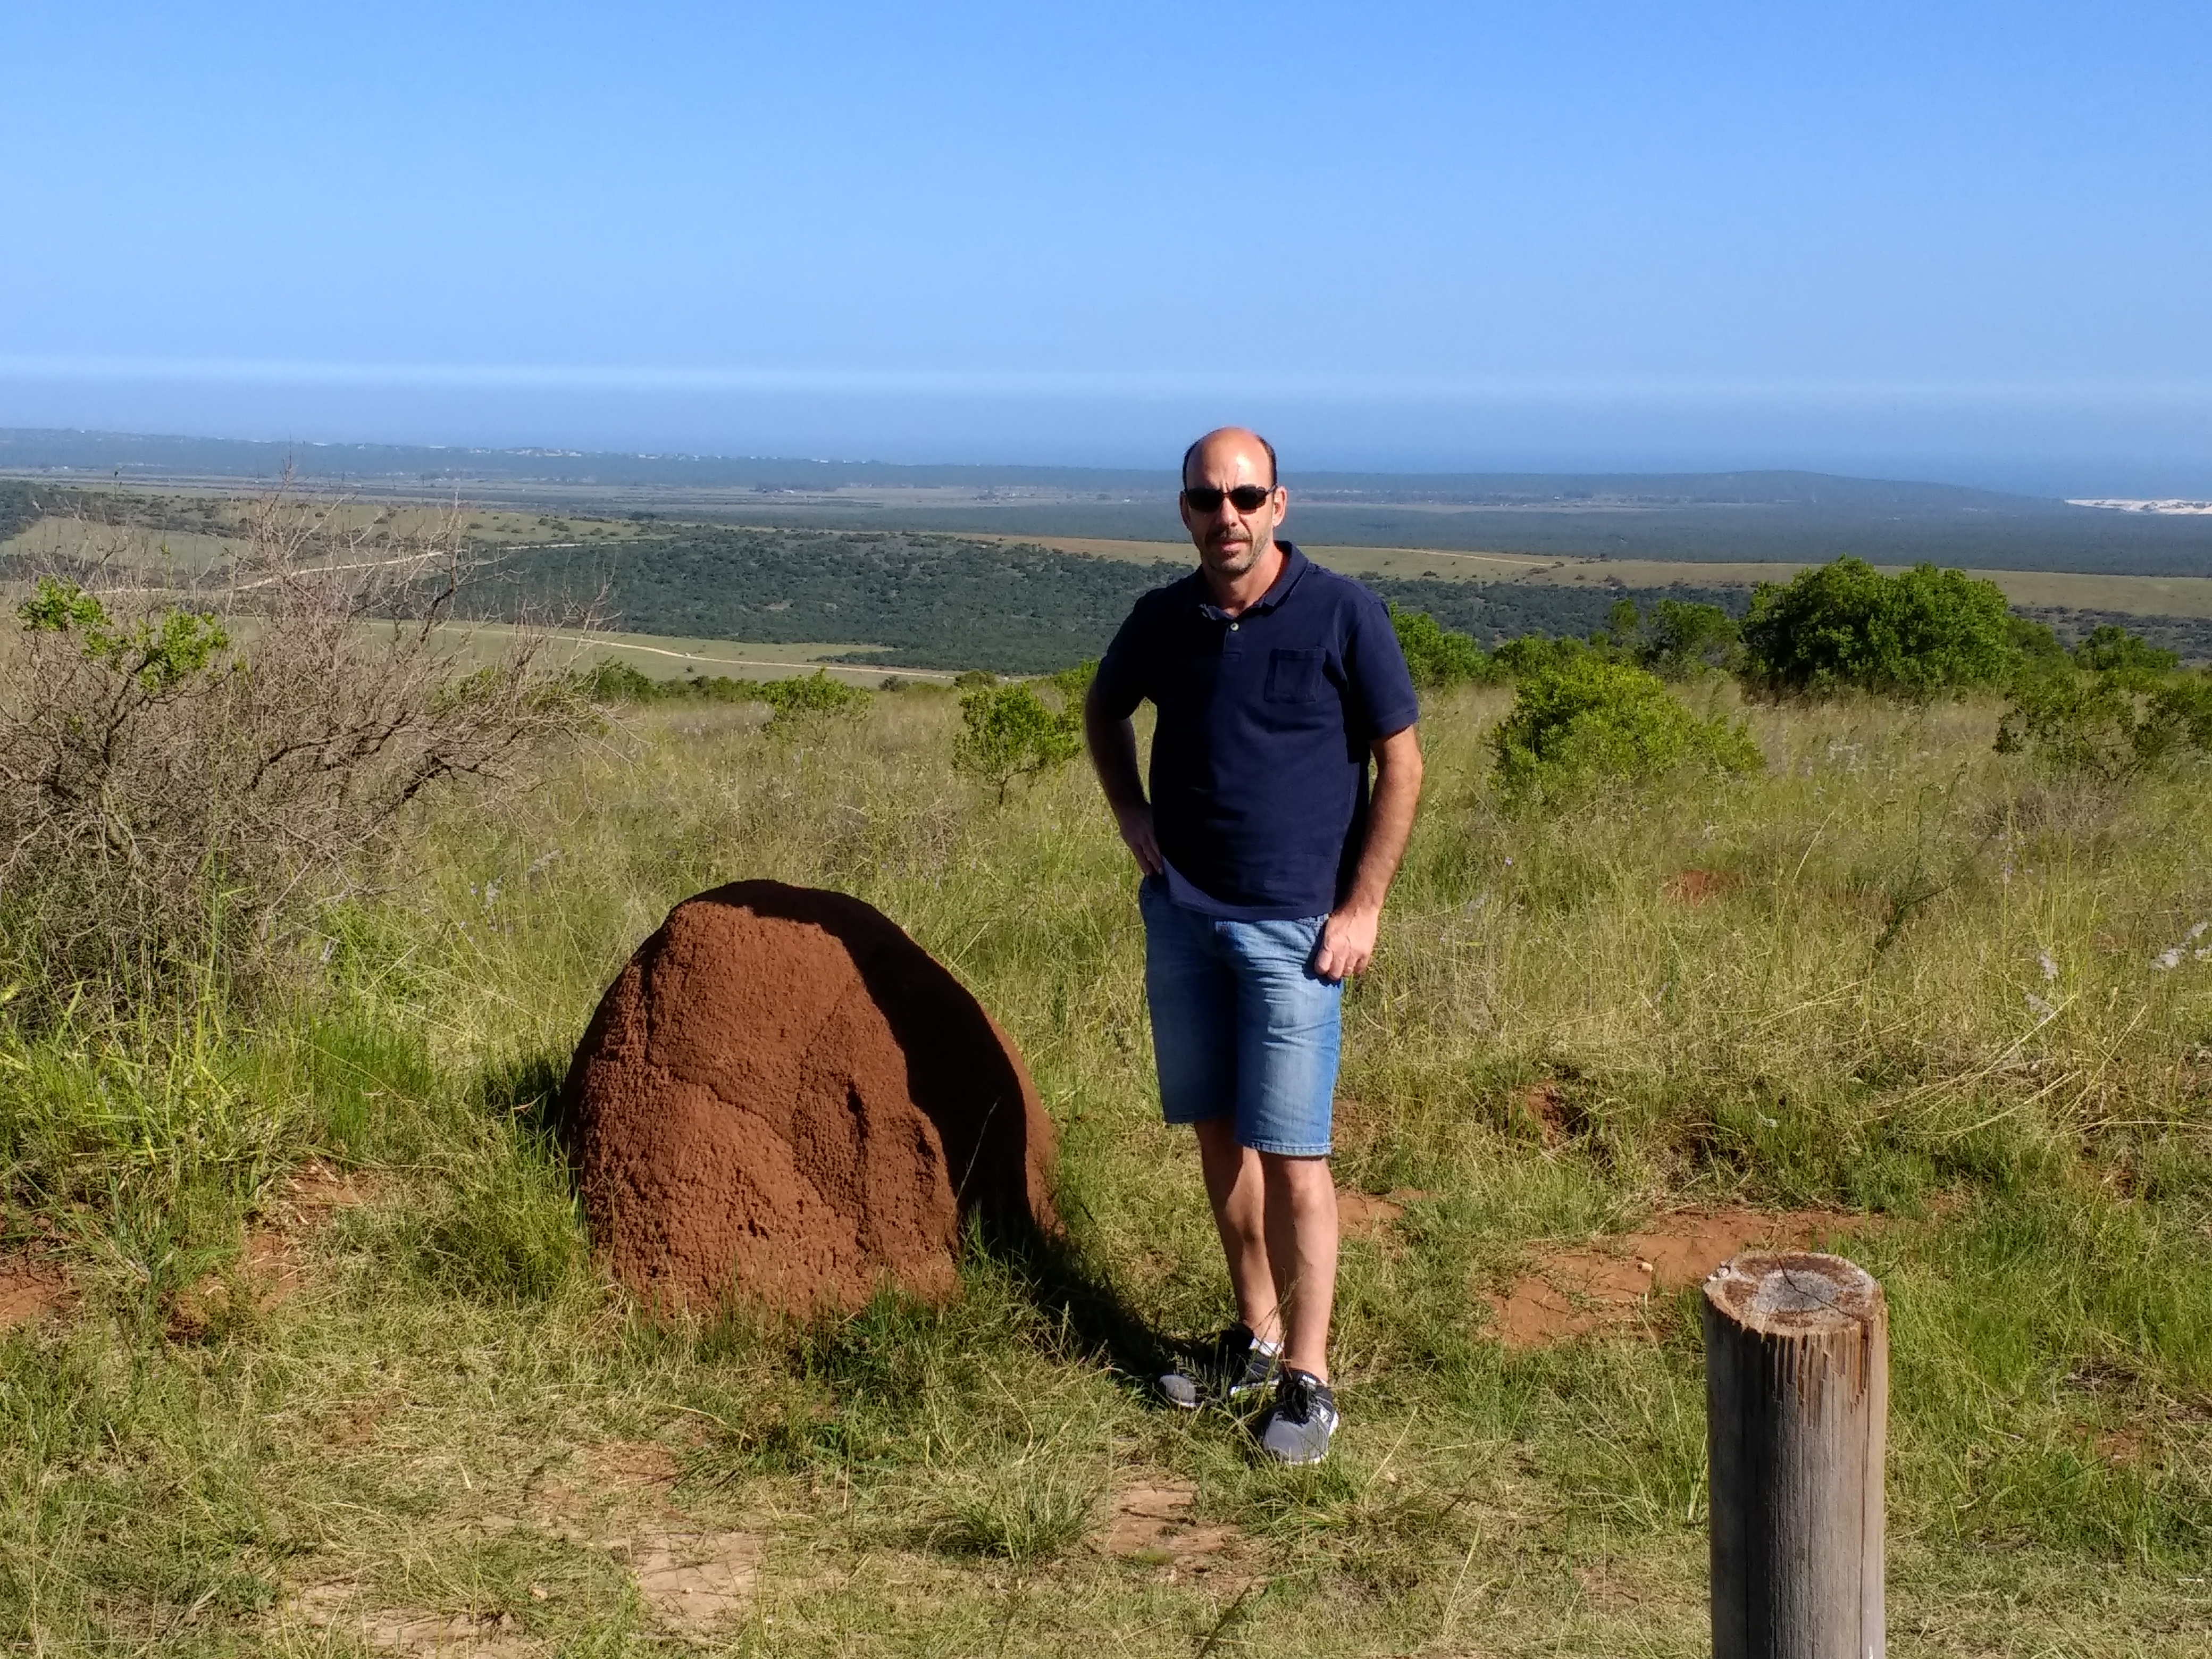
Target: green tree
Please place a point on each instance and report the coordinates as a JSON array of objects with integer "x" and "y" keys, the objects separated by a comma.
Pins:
[
  {"x": 1845, "y": 624},
  {"x": 1684, "y": 638},
  {"x": 1438, "y": 657},
  {"x": 1007, "y": 733},
  {"x": 2110, "y": 649},
  {"x": 1587, "y": 719}
]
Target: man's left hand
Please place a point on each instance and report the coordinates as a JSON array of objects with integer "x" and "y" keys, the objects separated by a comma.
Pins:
[{"x": 1347, "y": 943}]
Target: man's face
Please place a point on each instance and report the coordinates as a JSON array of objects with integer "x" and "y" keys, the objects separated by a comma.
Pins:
[{"x": 1230, "y": 542}]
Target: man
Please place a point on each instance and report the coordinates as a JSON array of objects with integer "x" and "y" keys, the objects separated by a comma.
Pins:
[{"x": 1265, "y": 863}]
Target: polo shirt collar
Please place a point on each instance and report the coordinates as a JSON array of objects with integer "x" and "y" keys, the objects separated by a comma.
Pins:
[{"x": 1295, "y": 565}]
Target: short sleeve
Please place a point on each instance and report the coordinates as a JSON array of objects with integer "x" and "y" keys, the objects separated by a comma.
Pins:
[
  {"x": 1375, "y": 665},
  {"x": 1124, "y": 678}
]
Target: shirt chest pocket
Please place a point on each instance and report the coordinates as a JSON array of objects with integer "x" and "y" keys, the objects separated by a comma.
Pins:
[{"x": 1294, "y": 676}]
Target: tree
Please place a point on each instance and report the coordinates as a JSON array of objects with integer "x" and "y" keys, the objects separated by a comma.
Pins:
[
  {"x": 1438, "y": 657},
  {"x": 1007, "y": 733},
  {"x": 1845, "y": 624}
]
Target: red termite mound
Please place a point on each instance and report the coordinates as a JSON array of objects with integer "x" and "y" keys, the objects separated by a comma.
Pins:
[{"x": 785, "y": 1100}]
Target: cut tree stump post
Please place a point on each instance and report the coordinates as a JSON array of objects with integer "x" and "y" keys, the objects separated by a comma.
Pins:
[{"x": 1796, "y": 1404}]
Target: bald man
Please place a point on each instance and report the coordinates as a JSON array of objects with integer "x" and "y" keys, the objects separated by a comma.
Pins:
[{"x": 1264, "y": 860}]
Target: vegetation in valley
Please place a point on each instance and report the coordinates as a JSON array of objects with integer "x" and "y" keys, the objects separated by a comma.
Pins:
[
  {"x": 936, "y": 601},
  {"x": 326, "y": 1364}
]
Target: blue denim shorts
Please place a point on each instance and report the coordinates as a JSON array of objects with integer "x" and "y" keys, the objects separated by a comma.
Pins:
[{"x": 1242, "y": 1023}]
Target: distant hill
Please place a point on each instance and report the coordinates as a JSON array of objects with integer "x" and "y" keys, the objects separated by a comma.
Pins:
[{"x": 1727, "y": 517}]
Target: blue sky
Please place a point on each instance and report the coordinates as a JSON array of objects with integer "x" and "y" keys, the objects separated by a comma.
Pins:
[{"x": 1944, "y": 239}]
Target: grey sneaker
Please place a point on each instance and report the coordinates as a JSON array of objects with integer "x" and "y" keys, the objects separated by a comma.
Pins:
[
  {"x": 1300, "y": 1424},
  {"x": 1234, "y": 1369}
]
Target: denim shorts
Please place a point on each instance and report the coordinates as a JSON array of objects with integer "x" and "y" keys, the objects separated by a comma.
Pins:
[{"x": 1242, "y": 1023}]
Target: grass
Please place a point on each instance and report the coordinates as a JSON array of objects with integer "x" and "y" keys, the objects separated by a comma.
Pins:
[{"x": 1923, "y": 988}]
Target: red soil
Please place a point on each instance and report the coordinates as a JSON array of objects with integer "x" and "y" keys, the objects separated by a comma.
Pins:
[
  {"x": 1572, "y": 1293},
  {"x": 1695, "y": 886},
  {"x": 784, "y": 1099},
  {"x": 30, "y": 1289}
]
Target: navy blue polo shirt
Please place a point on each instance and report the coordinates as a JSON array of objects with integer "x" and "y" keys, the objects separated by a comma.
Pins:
[{"x": 1260, "y": 756}]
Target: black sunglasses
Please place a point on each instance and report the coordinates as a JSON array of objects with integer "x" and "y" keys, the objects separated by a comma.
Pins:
[{"x": 1246, "y": 498}]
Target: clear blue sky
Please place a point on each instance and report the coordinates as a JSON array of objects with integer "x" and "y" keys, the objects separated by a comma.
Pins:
[{"x": 1949, "y": 240}]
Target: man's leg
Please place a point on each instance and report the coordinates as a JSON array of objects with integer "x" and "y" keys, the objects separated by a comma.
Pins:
[
  {"x": 1234, "y": 1185},
  {"x": 1288, "y": 1038},
  {"x": 1300, "y": 1220}
]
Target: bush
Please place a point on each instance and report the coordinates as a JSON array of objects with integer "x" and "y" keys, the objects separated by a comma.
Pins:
[
  {"x": 1588, "y": 719},
  {"x": 788, "y": 700},
  {"x": 1682, "y": 639},
  {"x": 1534, "y": 654},
  {"x": 812, "y": 694},
  {"x": 2110, "y": 649},
  {"x": 1007, "y": 733},
  {"x": 181, "y": 786},
  {"x": 1438, "y": 657},
  {"x": 2107, "y": 723},
  {"x": 1842, "y": 625}
]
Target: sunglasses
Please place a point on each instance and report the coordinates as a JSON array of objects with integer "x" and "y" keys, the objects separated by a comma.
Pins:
[{"x": 1245, "y": 498}]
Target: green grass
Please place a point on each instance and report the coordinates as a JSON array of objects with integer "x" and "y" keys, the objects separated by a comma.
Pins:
[{"x": 1860, "y": 1018}]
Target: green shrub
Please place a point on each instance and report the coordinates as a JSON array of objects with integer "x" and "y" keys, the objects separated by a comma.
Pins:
[
  {"x": 610, "y": 680},
  {"x": 788, "y": 700},
  {"x": 2110, "y": 649},
  {"x": 1074, "y": 684},
  {"x": 2108, "y": 723},
  {"x": 1439, "y": 658},
  {"x": 1535, "y": 653},
  {"x": 812, "y": 694},
  {"x": 1683, "y": 638},
  {"x": 1845, "y": 624},
  {"x": 1588, "y": 719},
  {"x": 1007, "y": 733}
]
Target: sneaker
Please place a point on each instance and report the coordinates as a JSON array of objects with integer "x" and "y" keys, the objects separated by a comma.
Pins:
[
  {"x": 1236, "y": 1366},
  {"x": 1303, "y": 1418}
]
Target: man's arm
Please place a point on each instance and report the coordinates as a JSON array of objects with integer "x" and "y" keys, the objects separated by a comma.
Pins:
[
  {"x": 1113, "y": 745},
  {"x": 1347, "y": 941}
]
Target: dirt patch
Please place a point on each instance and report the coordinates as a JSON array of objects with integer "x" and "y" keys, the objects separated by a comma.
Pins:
[
  {"x": 1153, "y": 1524},
  {"x": 691, "y": 1580},
  {"x": 315, "y": 1193},
  {"x": 270, "y": 1267},
  {"x": 1695, "y": 886},
  {"x": 1544, "y": 1105},
  {"x": 784, "y": 1099},
  {"x": 30, "y": 1289},
  {"x": 635, "y": 1463},
  {"x": 1582, "y": 1289},
  {"x": 1366, "y": 1215},
  {"x": 332, "y": 1607}
]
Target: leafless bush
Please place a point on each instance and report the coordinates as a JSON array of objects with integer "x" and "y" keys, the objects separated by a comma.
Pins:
[{"x": 191, "y": 764}]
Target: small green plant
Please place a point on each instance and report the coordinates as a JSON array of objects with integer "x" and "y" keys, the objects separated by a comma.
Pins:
[
  {"x": 794, "y": 699},
  {"x": 1007, "y": 733},
  {"x": 157, "y": 652},
  {"x": 1439, "y": 658},
  {"x": 1845, "y": 624},
  {"x": 1588, "y": 721}
]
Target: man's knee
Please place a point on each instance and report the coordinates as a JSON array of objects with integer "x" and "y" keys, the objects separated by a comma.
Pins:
[{"x": 1306, "y": 1181}]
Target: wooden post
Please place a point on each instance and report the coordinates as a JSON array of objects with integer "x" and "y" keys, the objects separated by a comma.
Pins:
[{"x": 1796, "y": 1404}]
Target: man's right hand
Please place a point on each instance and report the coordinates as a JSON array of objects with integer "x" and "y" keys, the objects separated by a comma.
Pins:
[{"x": 1136, "y": 824}]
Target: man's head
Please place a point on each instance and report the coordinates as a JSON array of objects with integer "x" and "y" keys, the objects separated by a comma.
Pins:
[{"x": 1230, "y": 536}]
